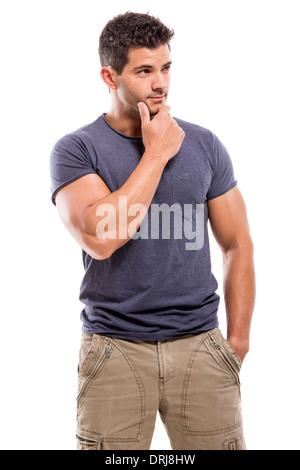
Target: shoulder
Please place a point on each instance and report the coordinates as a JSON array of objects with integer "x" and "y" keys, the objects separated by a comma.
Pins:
[
  {"x": 195, "y": 129},
  {"x": 79, "y": 137},
  {"x": 213, "y": 149},
  {"x": 197, "y": 136},
  {"x": 202, "y": 135}
]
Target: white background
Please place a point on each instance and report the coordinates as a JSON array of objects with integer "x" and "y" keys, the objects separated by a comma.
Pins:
[{"x": 236, "y": 72}]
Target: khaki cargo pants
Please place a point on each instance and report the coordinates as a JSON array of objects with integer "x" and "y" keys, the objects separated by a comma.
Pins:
[{"x": 193, "y": 381}]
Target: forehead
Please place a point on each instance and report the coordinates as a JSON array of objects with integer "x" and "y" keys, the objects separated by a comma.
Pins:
[{"x": 138, "y": 56}]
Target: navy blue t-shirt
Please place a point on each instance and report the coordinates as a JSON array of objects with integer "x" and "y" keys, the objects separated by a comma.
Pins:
[{"x": 159, "y": 285}]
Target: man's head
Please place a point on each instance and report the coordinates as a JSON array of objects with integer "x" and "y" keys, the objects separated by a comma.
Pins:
[
  {"x": 134, "y": 51},
  {"x": 130, "y": 30}
]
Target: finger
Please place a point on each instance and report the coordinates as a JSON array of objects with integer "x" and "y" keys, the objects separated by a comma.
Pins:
[
  {"x": 165, "y": 110},
  {"x": 144, "y": 113}
]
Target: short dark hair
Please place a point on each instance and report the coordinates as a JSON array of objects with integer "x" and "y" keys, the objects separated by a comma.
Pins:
[{"x": 130, "y": 30}]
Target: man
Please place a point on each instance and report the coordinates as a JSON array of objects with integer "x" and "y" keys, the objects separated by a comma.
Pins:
[{"x": 136, "y": 188}]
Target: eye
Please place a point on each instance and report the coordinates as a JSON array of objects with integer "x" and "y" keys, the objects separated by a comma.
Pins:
[
  {"x": 143, "y": 72},
  {"x": 167, "y": 68}
]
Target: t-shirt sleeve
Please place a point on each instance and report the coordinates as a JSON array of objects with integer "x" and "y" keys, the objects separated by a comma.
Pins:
[
  {"x": 223, "y": 174},
  {"x": 69, "y": 161}
]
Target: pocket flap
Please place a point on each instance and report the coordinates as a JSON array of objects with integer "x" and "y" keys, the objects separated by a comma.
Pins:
[{"x": 88, "y": 440}]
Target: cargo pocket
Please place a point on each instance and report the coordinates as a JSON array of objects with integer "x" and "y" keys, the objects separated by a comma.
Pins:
[
  {"x": 111, "y": 398},
  {"x": 224, "y": 355},
  {"x": 211, "y": 395},
  {"x": 88, "y": 440},
  {"x": 91, "y": 369}
]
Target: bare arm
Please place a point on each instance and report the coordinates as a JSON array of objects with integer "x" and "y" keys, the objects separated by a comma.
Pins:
[
  {"x": 83, "y": 204},
  {"x": 230, "y": 227}
]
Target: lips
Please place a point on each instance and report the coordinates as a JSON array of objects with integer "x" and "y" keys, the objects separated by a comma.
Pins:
[{"x": 157, "y": 98}]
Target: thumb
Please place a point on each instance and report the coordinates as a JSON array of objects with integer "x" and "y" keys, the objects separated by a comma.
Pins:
[{"x": 144, "y": 113}]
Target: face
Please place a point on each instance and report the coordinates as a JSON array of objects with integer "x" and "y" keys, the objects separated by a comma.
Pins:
[{"x": 146, "y": 77}]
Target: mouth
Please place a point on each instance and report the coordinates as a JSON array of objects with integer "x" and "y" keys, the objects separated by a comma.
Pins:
[{"x": 156, "y": 99}]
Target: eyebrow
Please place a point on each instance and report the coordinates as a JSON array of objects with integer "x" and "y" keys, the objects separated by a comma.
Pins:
[{"x": 146, "y": 66}]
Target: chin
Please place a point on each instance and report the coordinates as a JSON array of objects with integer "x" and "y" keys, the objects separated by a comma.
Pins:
[
  {"x": 155, "y": 109},
  {"x": 154, "y": 112}
]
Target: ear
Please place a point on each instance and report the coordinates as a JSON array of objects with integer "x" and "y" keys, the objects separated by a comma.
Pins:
[{"x": 110, "y": 78}]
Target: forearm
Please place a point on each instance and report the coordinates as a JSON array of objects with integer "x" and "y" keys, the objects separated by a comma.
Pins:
[
  {"x": 111, "y": 222},
  {"x": 239, "y": 294}
]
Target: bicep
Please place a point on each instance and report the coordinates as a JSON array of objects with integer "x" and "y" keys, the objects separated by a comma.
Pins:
[
  {"x": 74, "y": 200},
  {"x": 228, "y": 219}
]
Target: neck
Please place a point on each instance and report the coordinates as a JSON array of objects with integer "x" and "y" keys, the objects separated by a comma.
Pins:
[
  {"x": 124, "y": 121},
  {"x": 124, "y": 125}
]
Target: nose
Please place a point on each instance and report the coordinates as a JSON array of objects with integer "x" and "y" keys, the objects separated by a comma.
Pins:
[{"x": 159, "y": 83}]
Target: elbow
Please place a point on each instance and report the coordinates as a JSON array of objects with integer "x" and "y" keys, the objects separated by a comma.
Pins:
[
  {"x": 100, "y": 253},
  {"x": 99, "y": 256},
  {"x": 249, "y": 246},
  {"x": 96, "y": 248},
  {"x": 241, "y": 245}
]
